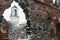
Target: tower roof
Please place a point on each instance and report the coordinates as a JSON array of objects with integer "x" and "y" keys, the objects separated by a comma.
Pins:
[{"x": 14, "y": 6}]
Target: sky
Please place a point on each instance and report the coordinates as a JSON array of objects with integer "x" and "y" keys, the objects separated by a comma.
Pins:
[
  {"x": 53, "y": 1},
  {"x": 21, "y": 14}
]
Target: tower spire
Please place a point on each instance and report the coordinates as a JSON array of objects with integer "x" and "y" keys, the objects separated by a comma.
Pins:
[{"x": 14, "y": 11}]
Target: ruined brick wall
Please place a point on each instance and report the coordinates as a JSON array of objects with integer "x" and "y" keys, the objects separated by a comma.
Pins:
[
  {"x": 4, "y": 4},
  {"x": 43, "y": 19},
  {"x": 3, "y": 29}
]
